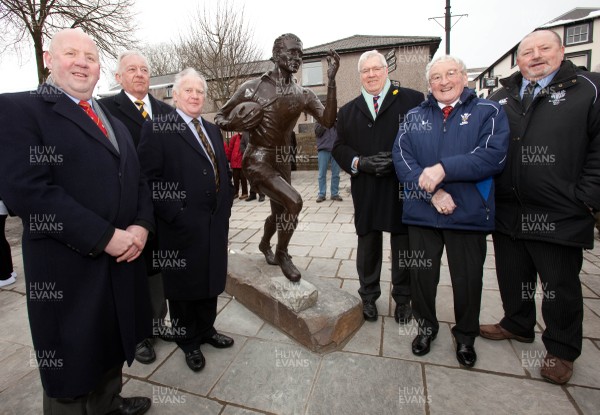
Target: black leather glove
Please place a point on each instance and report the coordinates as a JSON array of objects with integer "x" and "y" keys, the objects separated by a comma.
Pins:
[{"x": 380, "y": 164}]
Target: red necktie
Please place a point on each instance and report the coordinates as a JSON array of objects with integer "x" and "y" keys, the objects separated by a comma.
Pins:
[
  {"x": 88, "y": 110},
  {"x": 376, "y": 104},
  {"x": 447, "y": 110}
]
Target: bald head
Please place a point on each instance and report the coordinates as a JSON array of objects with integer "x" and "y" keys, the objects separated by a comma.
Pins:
[
  {"x": 74, "y": 64},
  {"x": 539, "y": 54}
]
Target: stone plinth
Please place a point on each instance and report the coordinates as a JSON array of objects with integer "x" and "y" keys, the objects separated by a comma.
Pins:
[
  {"x": 295, "y": 295},
  {"x": 323, "y": 327}
]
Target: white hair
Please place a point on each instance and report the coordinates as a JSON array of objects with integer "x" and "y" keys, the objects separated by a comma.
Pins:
[
  {"x": 445, "y": 58},
  {"x": 368, "y": 55},
  {"x": 131, "y": 52},
  {"x": 188, "y": 73}
]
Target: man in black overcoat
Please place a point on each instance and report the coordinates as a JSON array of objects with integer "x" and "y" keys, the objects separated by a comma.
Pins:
[
  {"x": 367, "y": 127},
  {"x": 183, "y": 157},
  {"x": 71, "y": 172},
  {"x": 133, "y": 106}
]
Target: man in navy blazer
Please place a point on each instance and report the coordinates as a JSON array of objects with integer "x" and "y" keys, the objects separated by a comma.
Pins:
[
  {"x": 183, "y": 157},
  {"x": 70, "y": 171},
  {"x": 133, "y": 106}
]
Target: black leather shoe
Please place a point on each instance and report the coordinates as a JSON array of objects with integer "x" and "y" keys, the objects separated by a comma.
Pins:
[
  {"x": 251, "y": 197},
  {"x": 136, "y": 405},
  {"x": 421, "y": 344},
  {"x": 220, "y": 341},
  {"x": 195, "y": 360},
  {"x": 403, "y": 313},
  {"x": 466, "y": 355},
  {"x": 369, "y": 310},
  {"x": 261, "y": 198},
  {"x": 144, "y": 352}
]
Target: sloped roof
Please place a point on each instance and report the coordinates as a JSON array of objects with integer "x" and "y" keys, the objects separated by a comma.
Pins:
[
  {"x": 365, "y": 42},
  {"x": 577, "y": 13}
]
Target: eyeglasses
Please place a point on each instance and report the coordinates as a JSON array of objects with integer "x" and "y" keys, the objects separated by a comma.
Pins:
[
  {"x": 451, "y": 75},
  {"x": 375, "y": 69}
]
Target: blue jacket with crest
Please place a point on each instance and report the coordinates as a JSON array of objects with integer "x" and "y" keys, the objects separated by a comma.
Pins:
[{"x": 471, "y": 145}]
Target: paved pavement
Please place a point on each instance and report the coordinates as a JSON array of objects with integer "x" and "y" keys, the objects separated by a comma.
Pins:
[{"x": 375, "y": 372}]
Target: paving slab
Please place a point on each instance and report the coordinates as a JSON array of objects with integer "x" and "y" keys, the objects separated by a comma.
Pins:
[
  {"x": 397, "y": 343},
  {"x": 24, "y": 397},
  {"x": 587, "y": 399},
  {"x": 367, "y": 339},
  {"x": 175, "y": 372},
  {"x": 269, "y": 376},
  {"x": 397, "y": 382},
  {"x": 482, "y": 393},
  {"x": 236, "y": 410},
  {"x": 169, "y": 400},
  {"x": 235, "y": 318},
  {"x": 16, "y": 365},
  {"x": 162, "y": 349}
]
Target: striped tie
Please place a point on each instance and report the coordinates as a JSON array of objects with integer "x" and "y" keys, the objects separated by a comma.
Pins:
[
  {"x": 140, "y": 105},
  {"x": 447, "y": 110},
  {"x": 208, "y": 149},
  {"x": 376, "y": 104},
  {"x": 88, "y": 110}
]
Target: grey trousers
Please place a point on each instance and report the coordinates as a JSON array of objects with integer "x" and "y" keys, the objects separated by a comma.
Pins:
[{"x": 102, "y": 400}]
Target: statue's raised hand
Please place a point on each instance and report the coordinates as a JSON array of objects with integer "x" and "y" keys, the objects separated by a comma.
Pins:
[{"x": 333, "y": 64}]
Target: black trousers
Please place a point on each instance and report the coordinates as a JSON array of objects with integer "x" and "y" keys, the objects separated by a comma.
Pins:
[
  {"x": 368, "y": 265},
  {"x": 466, "y": 254},
  {"x": 193, "y": 321},
  {"x": 102, "y": 400},
  {"x": 518, "y": 263},
  {"x": 6, "y": 264}
]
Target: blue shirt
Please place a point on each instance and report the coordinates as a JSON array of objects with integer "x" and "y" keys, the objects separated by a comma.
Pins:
[
  {"x": 541, "y": 83},
  {"x": 369, "y": 98},
  {"x": 188, "y": 121}
]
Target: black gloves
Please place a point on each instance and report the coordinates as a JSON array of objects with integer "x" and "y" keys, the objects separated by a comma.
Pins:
[{"x": 380, "y": 164}]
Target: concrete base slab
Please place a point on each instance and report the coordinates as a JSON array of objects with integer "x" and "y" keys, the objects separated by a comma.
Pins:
[{"x": 324, "y": 327}]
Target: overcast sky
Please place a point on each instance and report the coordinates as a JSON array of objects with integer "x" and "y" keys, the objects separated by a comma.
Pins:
[{"x": 491, "y": 28}]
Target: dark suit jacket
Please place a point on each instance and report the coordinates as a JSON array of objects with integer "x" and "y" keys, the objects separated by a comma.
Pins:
[
  {"x": 121, "y": 107},
  {"x": 71, "y": 188},
  {"x": 192, "y": 217},
  {"x": 377, "y": 204}
]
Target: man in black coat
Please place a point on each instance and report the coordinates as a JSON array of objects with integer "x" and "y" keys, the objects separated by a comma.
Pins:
[
  {"x": 546, "y": 198},
  {"x": 71, "y": 172},
  {"x": 183, "y": 157},
  {"x": 367, "y": 127},
  {"x": 133, "y": 106}
]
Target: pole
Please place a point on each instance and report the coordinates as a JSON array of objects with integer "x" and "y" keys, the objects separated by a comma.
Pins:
[{"x": 448, "y": 26}]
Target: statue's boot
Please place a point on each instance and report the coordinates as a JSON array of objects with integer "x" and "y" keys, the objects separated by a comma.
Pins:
[
  {"x": 265, "y": 243},
  {"x": 281, "y": 253},
  {"x": 287, "y": 266}
]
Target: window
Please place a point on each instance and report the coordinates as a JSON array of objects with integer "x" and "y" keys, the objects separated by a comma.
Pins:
[
  {"x": 577, "y": 34},
  {"x": 312, "y": 73},
  {"x": 582, "y": 58}
]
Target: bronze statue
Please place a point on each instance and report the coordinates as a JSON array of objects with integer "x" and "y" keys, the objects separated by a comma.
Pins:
[{"x": 268, "y": 107}]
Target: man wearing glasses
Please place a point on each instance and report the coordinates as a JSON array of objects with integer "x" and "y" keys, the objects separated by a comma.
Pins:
[
  {"x": 367, "y": 127},
  {"x": 446, "y": 154}
]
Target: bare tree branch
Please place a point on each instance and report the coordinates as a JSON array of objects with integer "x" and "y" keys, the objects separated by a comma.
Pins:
[
  {"x": 221, "y": 46},
  {"x": 109, "y": 22}
]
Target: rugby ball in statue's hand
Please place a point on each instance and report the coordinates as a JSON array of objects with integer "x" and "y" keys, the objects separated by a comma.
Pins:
[{"x": 246, "y": 116}]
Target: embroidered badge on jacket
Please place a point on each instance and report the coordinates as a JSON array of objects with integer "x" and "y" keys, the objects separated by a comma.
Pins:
[
  {"x": 557, "y": 97},
  {"x": 465, "y": 118}
]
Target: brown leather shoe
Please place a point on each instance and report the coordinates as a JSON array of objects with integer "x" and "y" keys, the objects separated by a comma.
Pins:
[
  {"x": 556, "y": 370},
  {"x": 497, "y": 332}
]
